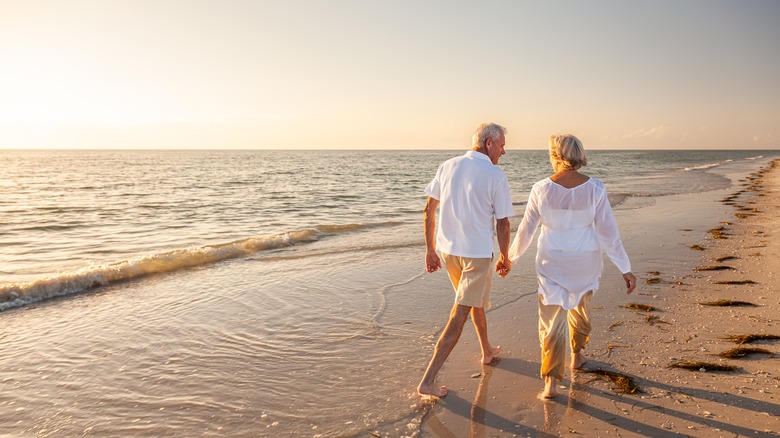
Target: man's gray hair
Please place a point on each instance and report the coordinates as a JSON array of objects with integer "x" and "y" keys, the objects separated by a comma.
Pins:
[{"x": 486, "y": 131}]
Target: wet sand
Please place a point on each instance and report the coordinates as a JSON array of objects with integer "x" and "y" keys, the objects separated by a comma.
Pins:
[{"x": 502, "y": 399}]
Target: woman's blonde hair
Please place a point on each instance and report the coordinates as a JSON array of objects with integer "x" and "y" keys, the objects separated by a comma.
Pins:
[{"x": 567, "y": 150}]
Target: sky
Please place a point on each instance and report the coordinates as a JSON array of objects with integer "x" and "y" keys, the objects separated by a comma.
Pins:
[{"x": 400, "y": 74}]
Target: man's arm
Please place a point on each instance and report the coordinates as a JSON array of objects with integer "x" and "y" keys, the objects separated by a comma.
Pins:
[
  {"x": 503, "y": 266},
  {"x": 432, "y": 262}
]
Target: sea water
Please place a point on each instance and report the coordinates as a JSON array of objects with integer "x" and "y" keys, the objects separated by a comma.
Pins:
[{"x": 242, "y": 293}]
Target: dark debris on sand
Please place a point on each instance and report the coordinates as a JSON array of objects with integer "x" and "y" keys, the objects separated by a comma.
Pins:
[
  {"x": 736, "y": 282},
  {"x": 715, "y": 268},
  {"x": 623, "y": 384},
  {"x": 693, "y": 365},
  {"x": 729, "y": 303},
  {"x": 740, "y": 352},
  {"x": 718, "y": 233},
  {"x": 749, "y": 339},
  {"x": 642, "y": 307}
]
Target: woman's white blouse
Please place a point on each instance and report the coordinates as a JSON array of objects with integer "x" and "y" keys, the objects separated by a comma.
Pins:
[{"x": 577, "y": 225}]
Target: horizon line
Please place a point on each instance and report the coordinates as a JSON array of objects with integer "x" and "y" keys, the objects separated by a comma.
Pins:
[{"x": 358, "y": 149}]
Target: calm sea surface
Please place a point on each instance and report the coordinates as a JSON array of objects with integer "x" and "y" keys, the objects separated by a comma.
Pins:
[{"x": 257, "y": 293}]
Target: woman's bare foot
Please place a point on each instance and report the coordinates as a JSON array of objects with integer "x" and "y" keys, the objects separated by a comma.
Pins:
[
  {"x": 434, "y": 390},
  {"x": 549, "y": 387},
  {"x": 578, "y": 360},
  {"x": 486, "y": 359}
]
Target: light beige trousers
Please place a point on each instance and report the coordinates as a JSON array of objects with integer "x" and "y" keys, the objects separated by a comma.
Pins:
[{"x": 552, "y": 333}]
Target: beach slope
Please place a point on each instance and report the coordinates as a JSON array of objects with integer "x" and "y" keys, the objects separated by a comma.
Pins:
[{"x": 696, "y": 257}]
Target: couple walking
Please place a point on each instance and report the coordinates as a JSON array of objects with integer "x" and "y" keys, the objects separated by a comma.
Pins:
[{"x": 472, "y": 194}]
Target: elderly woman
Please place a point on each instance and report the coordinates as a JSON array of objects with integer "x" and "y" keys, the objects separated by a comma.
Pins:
[{"x": 577, "y": 225}]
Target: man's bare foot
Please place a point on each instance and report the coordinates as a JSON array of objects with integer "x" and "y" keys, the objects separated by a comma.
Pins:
[
  {"x": 487, "y": 358},
  {"x": 549, "y": 387},
  {"x": 578, "y": 360},
  {"x": 434, "y": 390}
]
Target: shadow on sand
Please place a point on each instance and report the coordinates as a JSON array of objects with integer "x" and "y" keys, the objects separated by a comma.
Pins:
[{"x": 483, "y": 422}]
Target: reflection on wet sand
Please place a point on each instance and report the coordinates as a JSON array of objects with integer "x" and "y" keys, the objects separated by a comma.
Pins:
[
  {"x": 553, "y": 420},
  {"x": 478, "y": 408},
  {"x": 480, "y": 415}
]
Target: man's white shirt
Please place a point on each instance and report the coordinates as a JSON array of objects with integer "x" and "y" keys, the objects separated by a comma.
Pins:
[{"x": 473, "y": 193}]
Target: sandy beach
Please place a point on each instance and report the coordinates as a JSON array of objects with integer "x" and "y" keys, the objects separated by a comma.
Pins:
[{"x": 685, "y": 250}]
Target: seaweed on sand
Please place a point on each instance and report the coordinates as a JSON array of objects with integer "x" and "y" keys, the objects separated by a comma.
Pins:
[
  {"x": 698, "y": 247},
  {"x": 702, "y": 366},
  {"x": 653, "y": 280},
  {"x": 729, "y": 303},
  {"x": 714, "y": 268},
  {"x": 642, "y": 307},
  {"x": 736, "y": 282},
  {"x": 740, "y": 352},
  {"x": 623, "y": 384},
  {"x": 611, "y": 346},
  {"x": 718, "y": 233},
  {"x": 749, "y": 339},
  {"x": 723, "y": 259},
  {"x": 653, "y": 319}
]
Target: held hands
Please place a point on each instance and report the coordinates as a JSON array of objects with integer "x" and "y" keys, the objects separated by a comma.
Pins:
[
  {"x": 630, "y": 282},
  {"x": 503, "y": 266},
  {"x": 432, "y": 262}
]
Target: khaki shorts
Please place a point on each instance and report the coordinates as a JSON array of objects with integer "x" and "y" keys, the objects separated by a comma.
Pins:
[{"x": 472, "y": 279}]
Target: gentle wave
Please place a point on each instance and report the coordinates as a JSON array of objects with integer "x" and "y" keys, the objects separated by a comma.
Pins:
[
  {"x": 616, "y": 199},
  {"x": 709, "y": 165},
  {"x": 702, "y": 167},
  {"x": 341, "y": 250},
  {"x": 20, "y": 294}
]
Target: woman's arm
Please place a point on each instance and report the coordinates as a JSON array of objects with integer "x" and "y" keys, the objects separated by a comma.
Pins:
[
  {"x": 527, "y": 228},
  {"x": 608, "y": 234}
]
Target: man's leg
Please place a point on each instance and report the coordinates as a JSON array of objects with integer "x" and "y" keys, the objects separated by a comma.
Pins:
[
  {"x": 449, "y": 337},
  {"x": 480, "y": 324}
]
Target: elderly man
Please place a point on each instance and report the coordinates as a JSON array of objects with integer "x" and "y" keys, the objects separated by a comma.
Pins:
[{"x": 471, "y": 191}]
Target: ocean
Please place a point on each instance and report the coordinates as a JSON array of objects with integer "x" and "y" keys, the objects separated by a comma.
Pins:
[{"x": 242, "y": 293}]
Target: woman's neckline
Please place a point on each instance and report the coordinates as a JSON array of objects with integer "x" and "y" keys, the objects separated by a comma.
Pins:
[{"x": 568, "y": 188}]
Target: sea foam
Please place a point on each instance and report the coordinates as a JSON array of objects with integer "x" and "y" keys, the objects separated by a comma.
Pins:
[
  {"x": 97, "y": 275},
  {"x": 703, "y": 166}
]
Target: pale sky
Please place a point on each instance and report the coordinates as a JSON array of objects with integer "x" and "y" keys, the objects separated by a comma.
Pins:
[{"x": 395, "y": 74}]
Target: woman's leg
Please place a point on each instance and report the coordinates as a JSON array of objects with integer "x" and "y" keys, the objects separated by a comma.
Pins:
[
  {"x": 579, "y": 330},
  {"x": 552, "y": 338}
]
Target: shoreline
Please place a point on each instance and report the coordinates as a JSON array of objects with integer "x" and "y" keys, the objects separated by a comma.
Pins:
[
  {"x": 502, "y": 399},
  {"x": 223, "y": 349}
]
